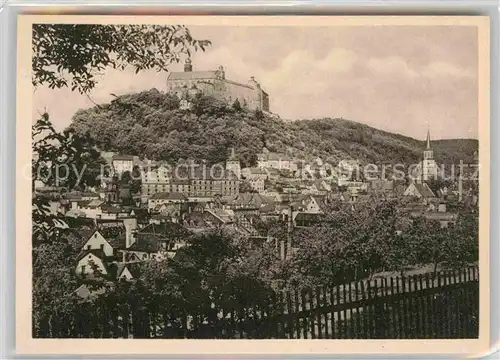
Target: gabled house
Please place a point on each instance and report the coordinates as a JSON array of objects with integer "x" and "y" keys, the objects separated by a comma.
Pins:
[
  {"x": 219, "y": 217},
  {"x": 92, "y": 264},
  {"x": 312, "y": 205},
  {"x": 127, "y": 272},
  {"x": 94, "y": 240},
  {"x": 154, "y": 242}
]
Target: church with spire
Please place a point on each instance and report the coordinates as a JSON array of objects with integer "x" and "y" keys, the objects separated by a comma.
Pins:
[
  {"x": 428, "y": 168},
  {"x": 233, "y": 164}
]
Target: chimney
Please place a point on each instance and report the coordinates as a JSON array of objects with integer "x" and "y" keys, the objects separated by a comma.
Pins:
[{"x": 130, "y": 231}]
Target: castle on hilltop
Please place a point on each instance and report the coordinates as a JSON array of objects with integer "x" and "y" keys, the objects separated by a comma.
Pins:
[{"x": 214, "y": 83}]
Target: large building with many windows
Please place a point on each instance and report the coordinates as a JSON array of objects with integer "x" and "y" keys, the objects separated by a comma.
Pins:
[{"x": 200, "y": 182}]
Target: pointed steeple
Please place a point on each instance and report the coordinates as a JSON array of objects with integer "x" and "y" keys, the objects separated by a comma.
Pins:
[{"x": 428, "y": 141}]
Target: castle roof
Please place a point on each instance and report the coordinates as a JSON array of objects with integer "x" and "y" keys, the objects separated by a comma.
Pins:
[
  {"x": 202, "y": 75},
  {"x": 192, "y": 75}
]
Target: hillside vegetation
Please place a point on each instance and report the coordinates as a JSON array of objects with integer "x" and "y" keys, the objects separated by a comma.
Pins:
[{"x": 151, "y": 124}]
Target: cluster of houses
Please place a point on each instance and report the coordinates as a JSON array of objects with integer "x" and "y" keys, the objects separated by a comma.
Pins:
[{"x": 114, "y": 235}]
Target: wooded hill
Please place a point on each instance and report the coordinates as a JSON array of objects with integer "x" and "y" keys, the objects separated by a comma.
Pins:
[{"x": 151, "y": 124}]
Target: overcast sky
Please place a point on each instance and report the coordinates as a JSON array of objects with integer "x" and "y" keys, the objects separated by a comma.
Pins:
[{"x": 399, "y": 79}]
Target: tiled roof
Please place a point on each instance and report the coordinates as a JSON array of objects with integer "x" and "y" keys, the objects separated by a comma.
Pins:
[
  {"x": 123, "y": 157},
  {"x": 115, "y": 236},
  {"x": 94, "y": 203},
  {"x": 382, "y": 185},
  {"x": 112, "y": 209},
  {"x": 97, "y": 252},
  {"x": 86, "y": 293},
  {"x": 252, "y": 199},
  {"x": 223, "y": 215},
  {"x": 303, "y": 216},
  {"x": 169, "y": 196},
  {"x": 133, "y": 268},
  {"x": 75, "y": 213},
  {"x": 257, "y": 171},
  {"x": 192, "y": 75},
  {"x": 85, "y": 234},
  {"x": 268, "y": 208},
  {"x": 148, "y": 243},
  {"x": 166, "y": 231},
  {"x": 424, "y": 190}
]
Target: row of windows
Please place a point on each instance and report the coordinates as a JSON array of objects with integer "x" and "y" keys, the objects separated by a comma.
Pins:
[{"x": 174, "y": 188}]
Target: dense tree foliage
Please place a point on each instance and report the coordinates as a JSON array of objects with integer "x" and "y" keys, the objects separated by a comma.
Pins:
[
  {"x": 213, "y": 271},
  {"x": 152, "y": 125},
  {"x": 351, "y": 244},
  {"x": 63, "y": 159},
  {"x": 70, "y": 55},
  {"x": 73, "y": 54},
  {"x": 219, "y": 270}
]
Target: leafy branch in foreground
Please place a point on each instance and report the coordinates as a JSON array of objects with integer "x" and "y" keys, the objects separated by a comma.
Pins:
[
  {"x": 72, "y": 55},
  {"x": 62, "y": 159}
]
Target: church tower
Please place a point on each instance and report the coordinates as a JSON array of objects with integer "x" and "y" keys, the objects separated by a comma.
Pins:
[
  {"x": 233, "y": 164},
  {"x": 429, "y": 166}
]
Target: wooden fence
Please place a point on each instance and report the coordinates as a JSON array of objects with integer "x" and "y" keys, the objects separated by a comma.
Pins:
[{"x": 414, "y": 307}]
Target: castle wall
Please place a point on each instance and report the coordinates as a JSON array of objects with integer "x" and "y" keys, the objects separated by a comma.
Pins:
[
  {"x": 245, "y": 94},
  {"x": 251, "y": 96}
]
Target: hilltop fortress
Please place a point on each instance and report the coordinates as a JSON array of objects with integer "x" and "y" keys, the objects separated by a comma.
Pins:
[{"x": 214, "y": 83}]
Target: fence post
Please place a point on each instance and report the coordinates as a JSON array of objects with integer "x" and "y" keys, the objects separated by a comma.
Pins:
[
  {"x": 305, "y": 314},
  {"x": 332, "y": 312},
  {"x": 297, "y": 308},
  {"x": 319, "y": 312},
  {"x": 326, "y": 312},
  {"x": 439, "y": 305},
  {"x": 357, "y": 331}
]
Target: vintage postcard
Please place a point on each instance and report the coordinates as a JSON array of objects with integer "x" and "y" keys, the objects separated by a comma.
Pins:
[{"x": 259, "y": 181}]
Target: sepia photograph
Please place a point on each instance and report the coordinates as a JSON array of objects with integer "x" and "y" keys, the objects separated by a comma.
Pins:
[{"x": 248, "y": 179}]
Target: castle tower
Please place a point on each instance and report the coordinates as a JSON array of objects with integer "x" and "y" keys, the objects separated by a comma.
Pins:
[
  {"x": 188, "y": 67},
  {"x": 220, "y": 72},
  {"x": 429, "y": 166},
  {"x": 233, "y": 164}
]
